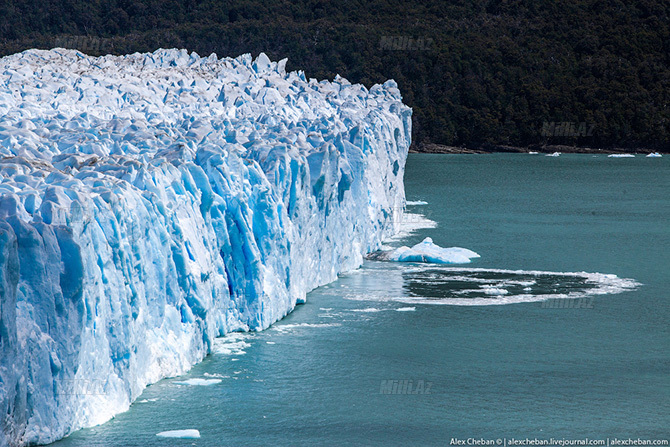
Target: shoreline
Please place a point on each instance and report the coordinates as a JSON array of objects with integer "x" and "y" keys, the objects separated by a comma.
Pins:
[{"x": 432, "y": 148}]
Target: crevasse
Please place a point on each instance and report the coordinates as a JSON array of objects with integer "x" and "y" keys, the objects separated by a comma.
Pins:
[{"x": 152, "y": 202}]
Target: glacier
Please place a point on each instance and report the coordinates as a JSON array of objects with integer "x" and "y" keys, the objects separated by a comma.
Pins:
[{"x": 152, "y": 202}]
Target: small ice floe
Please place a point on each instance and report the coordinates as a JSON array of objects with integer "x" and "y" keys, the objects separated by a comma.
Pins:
[
  {"x": 533, "y": 153},
  {"x": 621, "y": 156},
  {"x": 494, "y": 290},
  {"x": 217, "y": 375},
  {"x": 405, "y": 309},
  {"x": 415, "y": 203},
  {"x": 427, "y": 251},
  {"x": 654, "y": 155},
  {"x": 367, "y": 309},
  {"x": 555, "y": 154},
  {"x": 199, "y": 382},
  {"x": 182, "y": 434},
  {"x": 232, "y": 344}
]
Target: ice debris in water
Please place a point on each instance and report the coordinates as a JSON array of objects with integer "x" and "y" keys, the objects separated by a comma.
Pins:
[
  {"x": 198, "y": 382},
  {"x": 427, "y": 251},
  {"x": 182, "y": 434},
  {"x": 150, "y": 203}
]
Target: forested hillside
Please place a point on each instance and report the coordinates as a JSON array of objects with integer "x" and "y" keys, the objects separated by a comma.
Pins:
[{"x": 477, "y": 73}]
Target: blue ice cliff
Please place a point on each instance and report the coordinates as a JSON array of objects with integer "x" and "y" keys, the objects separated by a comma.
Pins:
[{"x": 152, "y": 202}]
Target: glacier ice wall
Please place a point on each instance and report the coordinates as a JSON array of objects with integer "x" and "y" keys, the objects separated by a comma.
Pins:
[{"x": 152, "y": 202}]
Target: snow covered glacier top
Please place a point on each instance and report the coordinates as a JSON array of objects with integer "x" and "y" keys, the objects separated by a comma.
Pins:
[{"x": 152, "y": 202}]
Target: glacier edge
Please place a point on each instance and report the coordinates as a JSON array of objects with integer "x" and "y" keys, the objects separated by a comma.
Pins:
[{"x": 152, "y": 202}]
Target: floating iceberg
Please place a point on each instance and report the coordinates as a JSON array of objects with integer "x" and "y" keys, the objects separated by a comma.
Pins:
[
  {"x": 427, "y": 251},
  {"x": 554, "y": 154},
  {"x": 181, "y": 434},
  {"x": 654, "y": 155},
  {"x": 150, "y": 203},
  {"x": 199, "y": 382},
  {"x": 621, "y": 156}
]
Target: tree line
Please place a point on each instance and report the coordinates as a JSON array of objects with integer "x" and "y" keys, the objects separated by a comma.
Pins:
[{"x": 478, "y": 73}]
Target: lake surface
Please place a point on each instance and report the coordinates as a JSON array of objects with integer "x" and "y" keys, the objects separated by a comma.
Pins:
[{"x": 412, "y": 354}]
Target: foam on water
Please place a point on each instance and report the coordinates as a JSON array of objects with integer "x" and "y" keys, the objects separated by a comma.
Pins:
[
  {"x": 232, "y": 344},
  {"x": 435, "y": 284},
  {"x": 292, "y": 327},
  {"x": 409, "y": 224}
]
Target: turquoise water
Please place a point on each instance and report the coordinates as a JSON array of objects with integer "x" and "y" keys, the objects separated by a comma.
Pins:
[{"x": 599, "y": 367}]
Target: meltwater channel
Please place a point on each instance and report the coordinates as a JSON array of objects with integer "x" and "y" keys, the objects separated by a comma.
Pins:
[{"x": 520, "y": 343}]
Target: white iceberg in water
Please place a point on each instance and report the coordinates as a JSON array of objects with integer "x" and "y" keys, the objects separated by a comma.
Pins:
[
  {"x": 150, "y": 203},
  {"x": 181, "y": 434},
  {"x": 555, "y": 154},
  {"x": 427, "y": 251},
  {"x": 621, "y": 156},
  {"x": 198, "y": 382},
  {"x": 654, "y": 155}
]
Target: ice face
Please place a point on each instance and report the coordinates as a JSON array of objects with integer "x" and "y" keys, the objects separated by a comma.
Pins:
[{"x": 152, "y": 202}]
